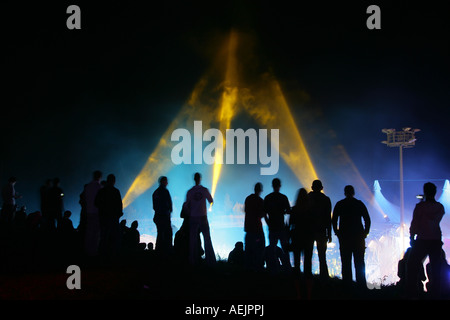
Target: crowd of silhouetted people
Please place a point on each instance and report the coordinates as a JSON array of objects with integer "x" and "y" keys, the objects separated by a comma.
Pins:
[
  {"x": 49, "y": 232},
  {"x": 47, "y": 237}
]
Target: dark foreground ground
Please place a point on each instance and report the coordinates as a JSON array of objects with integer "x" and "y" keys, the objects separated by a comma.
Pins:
[{"x": 145, "y": 277}]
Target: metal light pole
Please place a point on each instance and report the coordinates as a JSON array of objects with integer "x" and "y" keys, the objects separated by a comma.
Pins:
[{"x": 401, "y": 139}]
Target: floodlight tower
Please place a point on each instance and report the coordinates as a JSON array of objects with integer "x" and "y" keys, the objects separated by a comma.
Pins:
[{"x": 401, "y": 139}]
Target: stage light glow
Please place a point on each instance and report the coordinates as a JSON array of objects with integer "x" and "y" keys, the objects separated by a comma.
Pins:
[
  {"x": 267, "y": 104},
  {"x": 350, "y": 173},
  {"x": 154, "y": 167},
  {"x": 446, "y": 185},
  {"x": 445, "y": 200},
  {"x": 227, "y": 105},
  {"x": 385, "y": 205},
  {"x": 445, "y": 196},
  {"x": 157, "y": 163},
  {"x": 376, "y": 186}
]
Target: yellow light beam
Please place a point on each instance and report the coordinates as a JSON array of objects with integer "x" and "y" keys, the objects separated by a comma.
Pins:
[
  {"x": 292, "y": 147},
  {"x": 269, "y": 107},
  {"x": 158, "y": 163},
  {"x": 227, "y": 104}
]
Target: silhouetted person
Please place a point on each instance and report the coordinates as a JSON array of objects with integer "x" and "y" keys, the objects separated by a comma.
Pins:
[
  {"x": 320, "y": 227},
  {"x": 109, "y": 204},
  {"x": 20, "y": 218},
  {"x": 182, "y": 238},
  {"x": 132, "y": 238},
  {"x": 9, "y": 197},
  {"x": 276, "y": 206},
  {"x": 445, "y": 277},
  {"x": 44, "y": 192},
  {"x": 254, "y": 235},
  {"x": 162, "y": 204},
  {"x": 198, "y": 221},
  {"x": 273, "y": 256},
  {"x": 347, "y": 225},
  {"x": 66, "y": 225},
  {"x": 33, "y": 222},
  {"x": 425, "y": 234},
  {"x": 32, "y": 234},
  {"x": 401, "y": 272},
  {"x": 19, "y": 230},
  {"x": 92, "y": 234},
  {"x": 81, "y": 229},
  {"x": 136, "y": 237},
  {"x": 55, "y": 206},
  {"x": 123, "y": 228},
  {"x": 236, "y": 256},
  {"x": 300, "y": 221},
  {"x": 66, "y": 230}
]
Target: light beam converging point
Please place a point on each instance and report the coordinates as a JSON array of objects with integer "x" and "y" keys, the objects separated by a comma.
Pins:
[{"x": 264, "y": 101}]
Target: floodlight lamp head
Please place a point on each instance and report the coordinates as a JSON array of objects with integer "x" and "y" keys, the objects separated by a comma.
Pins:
[
  {"x": 446, "y": 185},
  {"x": 376, "y": 186}
]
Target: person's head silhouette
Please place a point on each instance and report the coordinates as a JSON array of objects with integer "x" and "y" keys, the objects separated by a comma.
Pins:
[
  {"x": 197, "y": 178},
  {"x": 276, "y": 184},
  {"x": 111, "y": 180},
  {"x": 349, "y": 191},
  {"x": 97, "y": 175},
  {"x": 258, "y": 188},
  {"x": 429, "y": 191},
  {"x": 163, "y": 182},
  {"x": 317, "y": 186},
  {"x": 302, "y": 195}
]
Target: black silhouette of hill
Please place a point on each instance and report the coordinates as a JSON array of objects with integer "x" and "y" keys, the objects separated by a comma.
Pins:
[{"x": 143, "y": 276}]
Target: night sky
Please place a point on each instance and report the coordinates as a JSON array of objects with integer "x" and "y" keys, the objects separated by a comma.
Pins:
[{"x": 99, "y": 98}]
